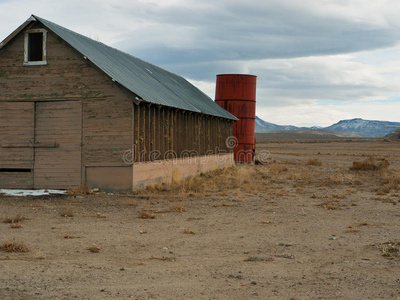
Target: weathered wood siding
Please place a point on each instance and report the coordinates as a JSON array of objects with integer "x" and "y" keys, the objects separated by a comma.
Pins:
[
  {"x": 107, "y": 137},
  {"x": 66, "y": 75},
  {"x": 16, "y": 144},
  {"x": 164, "y": 133},
  {"x": 16, "y": 135},
  {"x": 58, "y": 144},
  {"x": 107, "y": 131},
  {"x": 105, "y": 108}
]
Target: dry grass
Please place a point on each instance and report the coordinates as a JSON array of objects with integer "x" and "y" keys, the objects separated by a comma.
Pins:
[
  {"x": 330, "y": 205},
  {"x": 391, "y": 177},
  {"x": 94, "y": 248},
  {"x": 389, "y": 182},
  {"x": 243, "y": 178},
  {"x": 372, "y": 163},
  {"x": 146, "y": 215},
  {"x": 16, "y": 225},
  {"x": 350, "y": 229},
  {"x": 188, "y": 231},
  {"x": 313, "y": 162},
  {"x": 387, "y": 188},
  {"x": 341, "y": 178},
  {"x": 82, "y": 189},
  {"x": 390, "y": 249},
  {"x": 69, "y": 236},
  {"x": 14, "y": 247},
  {"x": 16, "y": 219},
  {"x": 362, "y": 224},
  {"x": 164, "y": 258},
  {"x": 177, "y": 208},
  {"x": 132, "y": 202},
  {"x": 278, "y": 168},
  {"x": 386, "y": 199},
  {"x": 215, "y": 182},
  {"x": 67, "y": 212},
  {"x": 256, "y": 179},
  {"x": 38, "y": 254},
  {"x": 224, "y": 204},
  {"x": 249, "y": 179}
]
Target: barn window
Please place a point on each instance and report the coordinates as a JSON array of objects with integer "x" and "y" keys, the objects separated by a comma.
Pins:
[{"x": 35, "y": 47}]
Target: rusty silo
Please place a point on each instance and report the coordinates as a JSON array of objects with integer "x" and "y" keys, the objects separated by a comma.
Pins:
[{"x": 237, "y": 94}]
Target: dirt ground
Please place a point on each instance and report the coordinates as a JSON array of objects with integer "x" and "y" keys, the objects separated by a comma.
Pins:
[{"x": 303, "y": 226}]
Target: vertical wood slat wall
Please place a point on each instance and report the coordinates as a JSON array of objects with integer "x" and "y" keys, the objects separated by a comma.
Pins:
[{"x": 163, "y": 133}]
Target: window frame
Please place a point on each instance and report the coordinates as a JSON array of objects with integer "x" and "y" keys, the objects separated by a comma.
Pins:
[{"x": 43, "y": 62}]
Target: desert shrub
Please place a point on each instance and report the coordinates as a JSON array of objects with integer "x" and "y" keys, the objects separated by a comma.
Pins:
[
  {"x": 314, "y": 162},
  {"x": 146, "y": 215},
  {"x": 370, "y": 164},
  {"x": 82, "y": 189},
  {"x": 177, "y": 208},
  {"x": 387, "y": 188},
  {"x": 67, "y": 212},
  {"x": 188, "y": 231},
  {"x": 16, "y": 225},
  {"x": 330, "y": 204},
  {"x": 275, "y": 169},
  {"x": 390, "y": 249},
  {"x": 14, "y": 247},
  {"x": 391, "y": 177},
  {"x": 213, "y": 181},
  {"x": 94, "y": 248},
  {"x": 16, "y": 219}
]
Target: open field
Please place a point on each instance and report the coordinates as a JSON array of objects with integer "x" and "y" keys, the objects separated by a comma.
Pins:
[{"x": 309, "y": 224}]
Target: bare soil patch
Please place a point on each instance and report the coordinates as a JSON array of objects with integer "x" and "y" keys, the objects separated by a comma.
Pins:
[{"x": 306, "y": 225}]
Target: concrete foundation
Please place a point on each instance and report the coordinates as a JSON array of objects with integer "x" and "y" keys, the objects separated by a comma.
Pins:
[{"x": 166, "y": 171}]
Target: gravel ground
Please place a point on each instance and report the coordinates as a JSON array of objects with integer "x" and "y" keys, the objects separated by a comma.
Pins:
[{"x": 303, "y": 226}]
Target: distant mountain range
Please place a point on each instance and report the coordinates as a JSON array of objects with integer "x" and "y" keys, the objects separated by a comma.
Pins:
[{"x": 343, "y": 128}]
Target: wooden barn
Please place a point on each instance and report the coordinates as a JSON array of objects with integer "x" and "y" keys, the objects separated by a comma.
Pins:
[{"x": 74, "y": 110}]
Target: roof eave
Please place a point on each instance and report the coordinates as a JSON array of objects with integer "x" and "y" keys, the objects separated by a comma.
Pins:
[
  {"x": 137, "y": 98},
  {"x": 17, "y": 31}
]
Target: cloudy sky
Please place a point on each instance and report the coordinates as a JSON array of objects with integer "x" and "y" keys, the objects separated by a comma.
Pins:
[{"x": 317, "y": 61}]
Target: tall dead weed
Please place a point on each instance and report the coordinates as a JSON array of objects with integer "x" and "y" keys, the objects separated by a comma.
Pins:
[
  {"x": 372, "y": 163},
  {"x": 215, "y": 182}
]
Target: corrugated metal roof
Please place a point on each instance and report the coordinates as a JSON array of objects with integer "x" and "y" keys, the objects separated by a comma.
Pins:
[{"x": 149, "y": 82}]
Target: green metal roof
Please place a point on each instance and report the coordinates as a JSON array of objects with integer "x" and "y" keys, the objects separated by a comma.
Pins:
[{"x": 149, "y": 82}]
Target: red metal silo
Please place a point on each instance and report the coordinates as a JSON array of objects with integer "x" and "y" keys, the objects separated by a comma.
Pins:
[{"x": 237, "y": 94}]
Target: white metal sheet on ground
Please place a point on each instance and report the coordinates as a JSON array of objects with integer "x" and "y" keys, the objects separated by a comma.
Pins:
[{"x": 22, "y": 193}]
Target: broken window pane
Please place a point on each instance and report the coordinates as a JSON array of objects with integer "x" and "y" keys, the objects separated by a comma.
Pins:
[{"x": 35, "y": 46}]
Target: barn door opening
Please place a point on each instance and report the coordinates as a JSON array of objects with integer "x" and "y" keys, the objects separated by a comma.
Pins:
[
  {"x": 16, "y": 144},
  {"x": 58, "y": 130}
]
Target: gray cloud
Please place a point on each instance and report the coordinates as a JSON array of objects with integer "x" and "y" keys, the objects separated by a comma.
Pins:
[
  {"x": 229, "y": 31},
  {"x": 301, "y": 51}
]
